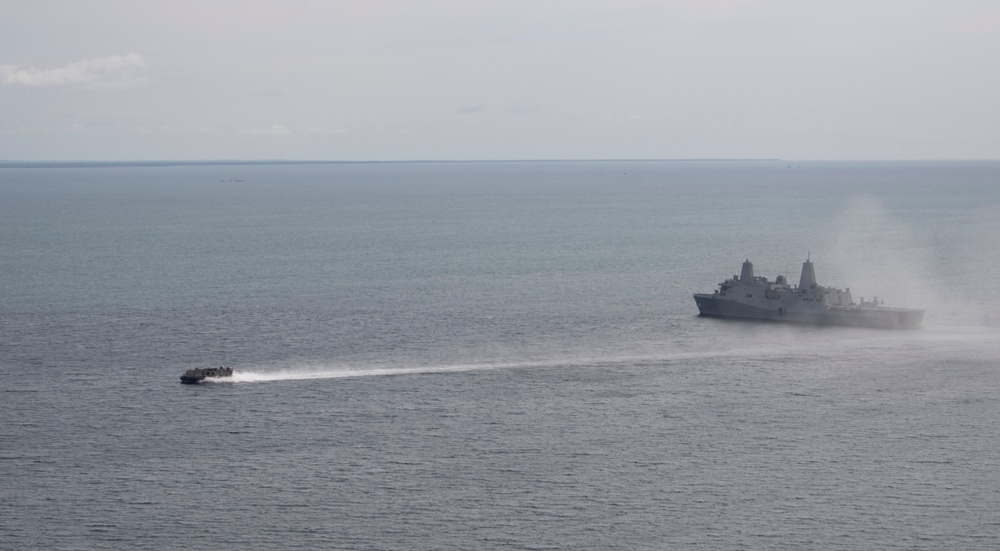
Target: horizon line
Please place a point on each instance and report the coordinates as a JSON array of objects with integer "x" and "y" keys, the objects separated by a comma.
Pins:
[
  {"x": 208, "y": 162},
  {"x": 263, "y": 162}
]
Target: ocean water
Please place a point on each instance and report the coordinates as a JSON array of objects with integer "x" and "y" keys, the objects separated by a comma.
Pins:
[{"x": 493, "y": 356}]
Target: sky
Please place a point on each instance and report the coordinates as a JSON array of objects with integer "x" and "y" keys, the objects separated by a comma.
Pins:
[{"x": 492, "y": 80}]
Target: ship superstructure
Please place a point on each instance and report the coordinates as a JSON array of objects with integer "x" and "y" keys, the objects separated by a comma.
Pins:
[{"x": 748, "y": 296}]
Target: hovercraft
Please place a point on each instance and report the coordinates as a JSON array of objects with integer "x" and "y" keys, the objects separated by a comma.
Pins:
[{"x": 197, "y": 375}]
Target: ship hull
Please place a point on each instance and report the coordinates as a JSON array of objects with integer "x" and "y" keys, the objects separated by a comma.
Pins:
[
  {"x": 873, "y": 317},
  {"x": 197, "y": 375}
]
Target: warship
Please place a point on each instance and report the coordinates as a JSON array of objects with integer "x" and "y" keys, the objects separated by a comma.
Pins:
[
  {"x": 755, "y": 298},
  {"x": 197, "y": 375}
]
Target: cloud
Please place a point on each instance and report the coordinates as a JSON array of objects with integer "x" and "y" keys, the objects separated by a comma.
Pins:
[
  {"x": 326, "y": 131},
  {"x": 273, "y": 130},
  {"x": 190, "y": 128},
  {"x": 471, "y": 109},
  {"x": 517, "y": 108},
  {"x": 17, "y": 130},
  {"x": 112, "y": 72}
]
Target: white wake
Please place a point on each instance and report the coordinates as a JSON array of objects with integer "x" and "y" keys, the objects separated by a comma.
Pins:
[{"x": 946, "y": 342}]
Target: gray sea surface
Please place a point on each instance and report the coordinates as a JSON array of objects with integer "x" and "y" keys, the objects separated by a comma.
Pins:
[{"x": 458, "y": 356}]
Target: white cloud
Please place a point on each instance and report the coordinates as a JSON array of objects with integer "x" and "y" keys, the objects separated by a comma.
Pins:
[
  {"x": 18, "y": 130},
  {"x": 190, "y": 128},
  {"x": 471, "y": 109},
  {"x": 326, "y": 131},
  {"x": 517, "y": 108},
  {"x": 104, "y": 73},
  {"x": 273, "y": 130}
]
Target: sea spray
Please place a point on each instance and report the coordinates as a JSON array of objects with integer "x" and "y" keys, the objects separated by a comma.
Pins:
[{"x": 785, "y": 343}]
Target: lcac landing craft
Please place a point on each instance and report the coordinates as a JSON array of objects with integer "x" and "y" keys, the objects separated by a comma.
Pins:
[{"x": 198, "y": 375}]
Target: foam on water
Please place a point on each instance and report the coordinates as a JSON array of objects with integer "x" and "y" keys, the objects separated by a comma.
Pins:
[
  {"x": 274, "y": 373},
  {"x": 968, "y": 340},
  {"x": 266, "y": 374},
  {"x": 293, "y": 374}
]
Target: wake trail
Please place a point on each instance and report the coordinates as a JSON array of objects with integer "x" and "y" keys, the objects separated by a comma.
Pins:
[
  {"x": 332, "y": 372},
  {"x": 932, "y": 341},
  {"x": 304, "y": 373},
  {"x": 294, "y": 374}
]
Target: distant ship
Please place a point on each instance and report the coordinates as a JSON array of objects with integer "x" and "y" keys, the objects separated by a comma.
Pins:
[
  {"x": 197, "y": 375},
  {"x": 756, "y": 298}
]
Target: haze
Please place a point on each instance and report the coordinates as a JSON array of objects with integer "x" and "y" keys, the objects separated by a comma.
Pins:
[{"x": 392, "y": 80}]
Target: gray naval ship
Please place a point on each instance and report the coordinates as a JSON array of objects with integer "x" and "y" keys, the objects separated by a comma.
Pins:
[{"x": 756, "y": 298}]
